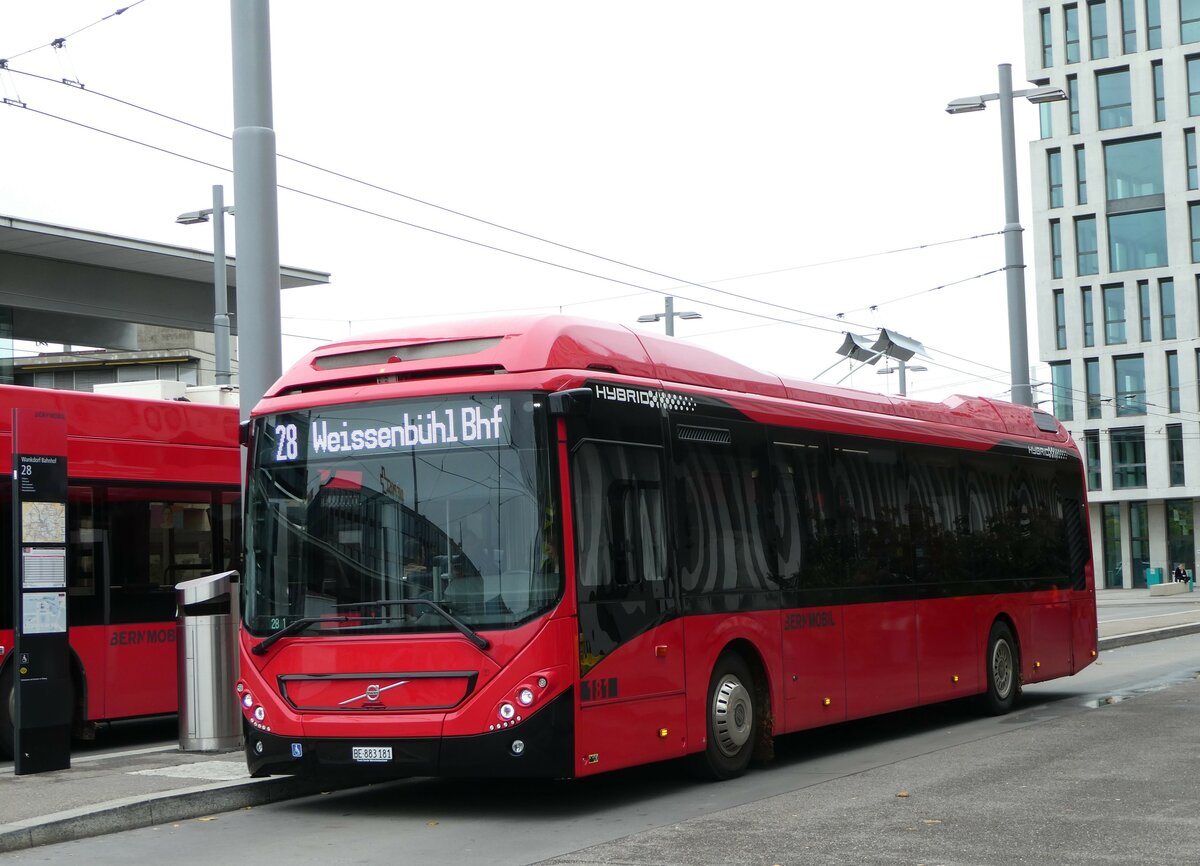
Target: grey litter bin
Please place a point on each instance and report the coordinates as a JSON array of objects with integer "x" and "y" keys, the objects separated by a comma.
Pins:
[{"x": 206, "y": 624}]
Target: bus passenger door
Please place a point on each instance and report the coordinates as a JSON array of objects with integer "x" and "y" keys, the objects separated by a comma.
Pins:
[
  {"x": 630, "y": 636},
  {"x": 810, "y": 563}
]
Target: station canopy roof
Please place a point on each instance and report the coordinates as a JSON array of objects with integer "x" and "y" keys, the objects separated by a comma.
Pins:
[{"x": 69, "y": 285}]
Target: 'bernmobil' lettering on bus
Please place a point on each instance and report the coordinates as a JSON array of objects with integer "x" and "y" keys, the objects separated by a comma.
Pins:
[{"x": 133, "y": 637}]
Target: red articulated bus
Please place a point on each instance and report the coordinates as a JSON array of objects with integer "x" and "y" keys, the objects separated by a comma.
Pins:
[
  {"x": 553, "y": 547},
  {"x": 153, "y": 499}
]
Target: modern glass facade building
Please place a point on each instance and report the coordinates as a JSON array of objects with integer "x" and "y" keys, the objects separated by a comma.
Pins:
[{"x": 1116, "y": 240}]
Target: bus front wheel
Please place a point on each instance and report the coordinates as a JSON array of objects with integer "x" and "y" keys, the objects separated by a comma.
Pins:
[
  {"x": 1003, "y": 671},
  {"x": 732, "y": 720}
]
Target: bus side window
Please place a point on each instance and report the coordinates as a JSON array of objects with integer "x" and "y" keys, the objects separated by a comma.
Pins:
[{"x": 620, "y": 528}]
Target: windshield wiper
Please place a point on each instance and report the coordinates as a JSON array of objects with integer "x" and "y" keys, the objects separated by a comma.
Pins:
[
  {"x": 294, "y": 627},
  {"x": 462, "y": 628}
]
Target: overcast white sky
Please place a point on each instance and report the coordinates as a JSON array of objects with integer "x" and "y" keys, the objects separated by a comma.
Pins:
[{"x": 735, "y": 145}]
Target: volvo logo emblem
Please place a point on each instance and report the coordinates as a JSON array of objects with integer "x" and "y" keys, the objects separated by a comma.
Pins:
[{"x": 372, "y": 693}]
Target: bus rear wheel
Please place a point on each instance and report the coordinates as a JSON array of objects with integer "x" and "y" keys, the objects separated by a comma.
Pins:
[
  {"x": 732, "y": 720},
  {"x": 1003, "y": 671}
]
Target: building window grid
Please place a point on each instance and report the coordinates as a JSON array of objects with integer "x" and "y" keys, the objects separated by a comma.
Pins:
[
  {"x": 1133, "y": 168},
  {"x": 1091, "y": 439},
  {"x": 1189, "y": 21},
  {"x": 1098, "y": 29},
  {"x": 1114, "y": 315},
  {"x": 1071, "y": 33},
  {"x": 1129, "y": 373},
  {"x": 1175, "y": 468},
  {"x": 1193, "y": 85},
  {"x": 1166, "y": 307},
  {"x": 1056, "y": 264},
  {"x": 1060, "y": 319},
  {"x": 1137, "y": 240},
  {"x": 1181, "y": 534},
  {"x": 1139, "y": 542},
  {"x": 1110, "y": 540},
  {"x": 1128, "y": 458},
  {"x": 1189, "y": 144},
  {"x": 1088, "y": 318},
  {"x": 1144, "y": 309},
  {"x": 1153, "y": 25},
  {"x": 1114, "y": 102},
  {"x": 1194, "y": 223},
  {"x": 1091, "y": 372},
  {"x": 1173, "y": 382},
  {"x": 1128, "y": 26},
  {"x": 1160, "y": 97},
  {"x": 1087, "y": 257},
  {"x": 1055, "y": 177},
  {"x": 1080, "y": 174},
  {"x": 1073, "y": 103},
  {"x": 1047, "y": 39},
  {"x": 1061, "y": 391}
]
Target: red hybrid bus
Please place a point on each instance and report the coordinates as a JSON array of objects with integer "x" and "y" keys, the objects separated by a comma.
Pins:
[
  {"x": 552, "y": 547},
  {"x": 153, "y": 499}
]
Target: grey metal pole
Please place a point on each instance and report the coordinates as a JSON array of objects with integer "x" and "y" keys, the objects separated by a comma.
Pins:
[
  {"x": 670, "y": 316},
  {"x": 254, "y": 179},
  {"x": 220, "y": 289},
  {"x": 903, "y": 378},
  {"x": 1014, "y": 257}
]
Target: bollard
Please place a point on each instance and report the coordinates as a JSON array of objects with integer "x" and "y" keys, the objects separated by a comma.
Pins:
[{"x": 206, "y": 639}]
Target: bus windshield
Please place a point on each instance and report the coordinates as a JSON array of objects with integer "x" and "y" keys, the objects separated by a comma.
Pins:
[{"x": 387, "y": 516}]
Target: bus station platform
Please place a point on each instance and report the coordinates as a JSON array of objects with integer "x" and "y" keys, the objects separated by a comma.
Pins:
[{"x": 108, "y": 792}]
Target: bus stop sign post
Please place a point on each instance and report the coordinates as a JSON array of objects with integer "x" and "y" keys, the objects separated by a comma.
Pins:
[{"x": 41, "y": 657}]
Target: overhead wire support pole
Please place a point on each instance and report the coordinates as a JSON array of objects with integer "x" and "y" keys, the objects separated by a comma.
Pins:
[
  {"x": 1014, "y": 255},
  {"x": 255, "y": 184}
]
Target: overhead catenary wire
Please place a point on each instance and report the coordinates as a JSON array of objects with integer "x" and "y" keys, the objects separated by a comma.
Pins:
[
  {"x": 776, "y": 319},
  {"x": 680, "y": 282},
  {"x": 60, "y": 39},
  {"x": 838, "y": 318}
]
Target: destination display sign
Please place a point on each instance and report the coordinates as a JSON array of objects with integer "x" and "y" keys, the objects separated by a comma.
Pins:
[{"x": 381, "y": 429}]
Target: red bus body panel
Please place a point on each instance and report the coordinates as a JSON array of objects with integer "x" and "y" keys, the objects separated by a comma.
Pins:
[
  {"x": 129, "y": 670},
  {"x": 820, "y": 665}
]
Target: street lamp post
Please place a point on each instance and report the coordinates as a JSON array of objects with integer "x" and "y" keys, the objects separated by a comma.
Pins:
[
  {"x": 669, "y": 315},
  {"x": 220, "y": 286},
  {"x": 904, "y": 369},
  {"x": 1014, "y": 261}
]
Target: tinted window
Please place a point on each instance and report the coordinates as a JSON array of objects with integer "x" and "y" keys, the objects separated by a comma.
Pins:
[{"x": 723, "y": 511}]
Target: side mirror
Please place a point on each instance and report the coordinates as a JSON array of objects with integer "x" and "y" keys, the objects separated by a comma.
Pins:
[{"x": 573, "y": 401}]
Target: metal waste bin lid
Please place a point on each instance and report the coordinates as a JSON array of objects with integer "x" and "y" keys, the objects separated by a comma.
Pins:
[{"x": 207, "y": 588}]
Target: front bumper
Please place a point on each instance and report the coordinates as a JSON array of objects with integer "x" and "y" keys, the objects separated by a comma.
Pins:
[{"x": 546, "y": 738}]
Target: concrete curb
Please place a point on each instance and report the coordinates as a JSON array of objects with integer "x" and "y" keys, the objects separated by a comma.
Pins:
[
  {"x": 132, "y": 813},
  {"x": 1136, "y": 637}
]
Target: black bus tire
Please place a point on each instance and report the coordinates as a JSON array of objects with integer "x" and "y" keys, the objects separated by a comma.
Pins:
[
  {"x": 732, "y": 720},
  {"x": 7, "y": 709},
  {"x": 1002, "y": 668}
]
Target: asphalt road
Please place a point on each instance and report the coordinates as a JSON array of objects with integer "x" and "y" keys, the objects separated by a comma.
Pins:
[{"x": 1103, "y": 767}]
